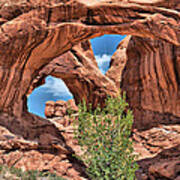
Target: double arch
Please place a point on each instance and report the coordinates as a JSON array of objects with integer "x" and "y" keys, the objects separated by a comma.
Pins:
[{"x": 35, "y": 32}]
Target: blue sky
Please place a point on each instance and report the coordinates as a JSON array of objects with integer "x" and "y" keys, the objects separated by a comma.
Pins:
[{"x": 55, "y": 89}]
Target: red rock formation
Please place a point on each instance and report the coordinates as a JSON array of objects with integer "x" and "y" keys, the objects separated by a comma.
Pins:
[
  {"x": 28, "y": 155},
  {"x": 34, "y": 30},
  {"x": 118, "y": 62},
  {"x": 71, "y": 105},
  {"x": 59, "y": 108},
  {"x": 49, "y": 109},
  {"x": 148, "y": 71},
  {"x": 151, "y": 80},
  {"x": 33, "y": 33},
  {"x": 164, "y": 166},
  {"x": 78, "y": 69},
  {"x": 159, "y": 152}
]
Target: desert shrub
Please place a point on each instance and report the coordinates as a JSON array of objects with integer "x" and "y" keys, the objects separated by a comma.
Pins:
[
  {"x": 103, "y": 135},
  {"x": 12, "y": 173}
]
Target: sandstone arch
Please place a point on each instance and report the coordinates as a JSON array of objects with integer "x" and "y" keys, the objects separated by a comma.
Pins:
[
  {"x": 79, "y": 70},
  {"x": 32, "y": 33}
]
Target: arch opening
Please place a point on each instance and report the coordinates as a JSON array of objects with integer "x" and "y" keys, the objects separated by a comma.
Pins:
[
  {"x": 104, "y": 47},
  {"x": 55, "y": 89}
]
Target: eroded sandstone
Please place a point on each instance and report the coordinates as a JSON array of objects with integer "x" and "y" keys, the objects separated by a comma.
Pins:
[
  {"x": 28, "y": 155},
  {"x": 33, "y": 33},
  {"x": 151, "y": 81},
  {"x": 78, "y": 69},
  {"x": 157, "y": 149}
]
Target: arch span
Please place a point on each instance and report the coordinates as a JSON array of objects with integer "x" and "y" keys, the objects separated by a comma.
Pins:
[{"x": 78, "y": 69}]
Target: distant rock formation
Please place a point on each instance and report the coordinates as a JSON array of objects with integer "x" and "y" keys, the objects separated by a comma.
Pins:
[{"x": 60, "y": 108}]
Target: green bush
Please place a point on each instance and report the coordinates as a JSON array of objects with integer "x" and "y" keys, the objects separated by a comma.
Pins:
[
  {"x": 103, "y": 135},
  {"x": 12, "y": 173}
]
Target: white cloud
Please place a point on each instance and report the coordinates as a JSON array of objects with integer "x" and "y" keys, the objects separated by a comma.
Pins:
[
  {"x": 56, "y": 86},
  {"x": 103, "y": 62}
]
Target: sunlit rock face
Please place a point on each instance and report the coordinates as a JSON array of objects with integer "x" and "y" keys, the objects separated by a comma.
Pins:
[
  {"x": 49, "y": 110},
  {"x": 118, "y": 62}
]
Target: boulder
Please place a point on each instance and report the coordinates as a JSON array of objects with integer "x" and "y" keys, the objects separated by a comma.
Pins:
[
  {"x": 60, "y": 108},
  {"x": 163, "y": 166},
  {"x": 71, "y": 105},
  {"x": 49, "y": 109}
]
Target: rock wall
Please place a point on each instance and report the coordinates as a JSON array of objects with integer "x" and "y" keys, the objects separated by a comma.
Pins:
[
  {"x": 148, "y": 71},
  {"x": 151, "y": 80},
  {"x": 35, "y": 32}
]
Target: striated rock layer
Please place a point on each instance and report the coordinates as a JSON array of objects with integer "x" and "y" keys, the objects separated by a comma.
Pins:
[
  {"x": 151, "y": 80},
  {"x": 148, "y": 70},
  {"x": 159, "y": 150},
  {"x": 29, "y": 155}
]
